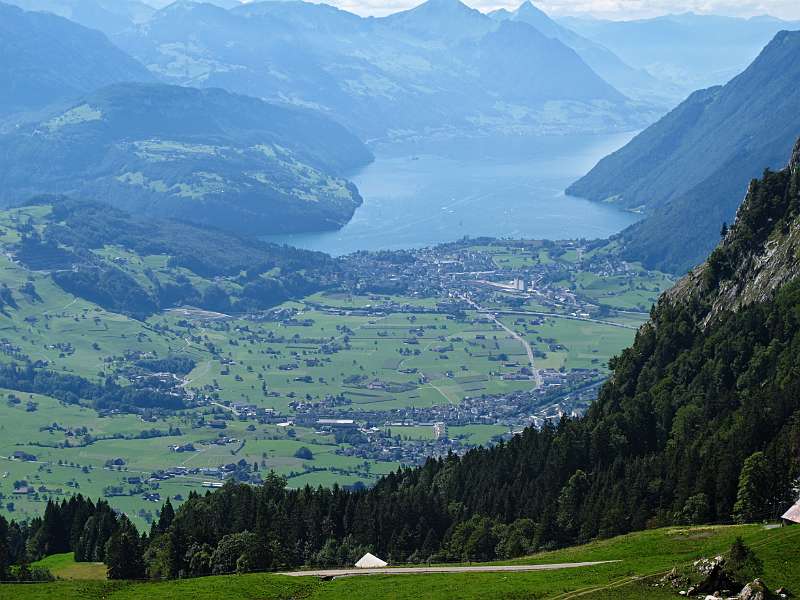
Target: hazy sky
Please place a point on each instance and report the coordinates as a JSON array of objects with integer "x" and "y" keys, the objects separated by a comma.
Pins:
[{"x": 614, "y": 9}]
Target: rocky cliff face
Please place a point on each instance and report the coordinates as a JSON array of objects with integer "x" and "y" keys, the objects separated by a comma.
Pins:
[{"x": 760, "y": 253}]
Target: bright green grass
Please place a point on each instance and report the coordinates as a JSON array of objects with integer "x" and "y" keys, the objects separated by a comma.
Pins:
[
  {"x": 63, "y": 566},
  {"x": 642, "y": 557}
]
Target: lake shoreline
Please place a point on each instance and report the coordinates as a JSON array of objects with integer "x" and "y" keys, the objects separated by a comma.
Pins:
[{"x": 426, "y": 194}]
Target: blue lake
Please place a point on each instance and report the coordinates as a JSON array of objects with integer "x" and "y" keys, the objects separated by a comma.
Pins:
[{"x": 422, "y": 195}]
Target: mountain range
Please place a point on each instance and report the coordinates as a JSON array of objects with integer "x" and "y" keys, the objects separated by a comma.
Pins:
[
  {"x": 440, "y": 69},
  {"x": 205, "y": 156},
  {"x": 686, "y": 172}
]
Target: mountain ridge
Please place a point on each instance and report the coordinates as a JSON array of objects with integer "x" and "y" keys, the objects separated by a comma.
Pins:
[
  {"x": 686, "y": 171},
  {"x": 636, "y": 83}
]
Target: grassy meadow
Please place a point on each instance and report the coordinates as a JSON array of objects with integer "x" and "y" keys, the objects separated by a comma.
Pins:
[{"x": 641, "y": 560}]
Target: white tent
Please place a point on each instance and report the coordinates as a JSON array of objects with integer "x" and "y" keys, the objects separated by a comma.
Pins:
[
  {"x": 792, "y": 515},
  {"x": 369, "y": 561}
]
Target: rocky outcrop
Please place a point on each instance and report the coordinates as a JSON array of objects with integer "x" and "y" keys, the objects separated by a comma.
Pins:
[
  {"x": 794, "y": 163},
  {"x": 757, "y": 262},
  {"x": 755, "y": 590}
]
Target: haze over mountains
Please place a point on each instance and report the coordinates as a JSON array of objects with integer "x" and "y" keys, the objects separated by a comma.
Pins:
[
  {"x": 637, "y": 83},
  {"x": 439, "y": 69},
  {"x": 687, "y": 171},
  {"x": 688, "y": 50},
  {"x": 46, "y": 59}
]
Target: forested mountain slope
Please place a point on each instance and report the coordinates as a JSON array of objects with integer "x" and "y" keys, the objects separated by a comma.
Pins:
[
  {"x": 206, "y": 156},
  {"x": 45, "y": 59},
  {"x": 688, "y": 171},
  {"x": 88, "y": 249}
]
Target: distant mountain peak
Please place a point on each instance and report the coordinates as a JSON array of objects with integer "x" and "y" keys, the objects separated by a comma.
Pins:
[
  {"x": 529, "y": 7},
  {"x": 443, "y": 17},
  {"x": 444, "y": 5},
  {"x": 447, "y": 8}
]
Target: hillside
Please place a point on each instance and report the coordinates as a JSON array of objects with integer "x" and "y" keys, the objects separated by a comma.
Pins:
[
  {"x": 699, "y": 423},
  {"x": 205, "y": 156},
  {"x": 97, "y": 252},
  {"x": 45, "y": 59},
  {"x": 687, "y": 172},
  {"x": 395, "y": 78}
]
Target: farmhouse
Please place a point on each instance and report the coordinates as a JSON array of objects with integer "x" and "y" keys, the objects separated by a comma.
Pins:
[{"x": 20, "y": 455}]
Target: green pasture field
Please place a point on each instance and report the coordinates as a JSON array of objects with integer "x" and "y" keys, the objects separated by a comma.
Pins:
[
  {"x": 63, "y": 566},
  {"x": 638, "y": 290},
  {"x": 61, "y": 470},
  {"x": 376, "y": 349},
  {"x": 584, "y": 344},
  {"x": 473, "y": 434}
]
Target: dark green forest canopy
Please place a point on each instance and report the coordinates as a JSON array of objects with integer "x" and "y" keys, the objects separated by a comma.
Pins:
[
  {"x": 206, "y": 251},
  {"x": 261, "y": 275}
]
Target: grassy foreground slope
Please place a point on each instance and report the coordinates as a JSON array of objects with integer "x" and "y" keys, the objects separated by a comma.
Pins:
[{"x": 642, "y": 558}]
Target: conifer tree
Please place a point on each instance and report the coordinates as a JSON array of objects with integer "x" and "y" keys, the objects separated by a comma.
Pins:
[
  {"x": 5, "y": 554},
  {"x": 124, "y": 552}
]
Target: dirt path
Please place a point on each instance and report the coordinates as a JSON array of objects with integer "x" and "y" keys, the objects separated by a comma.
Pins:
[{"x": 424, "y": 570}]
